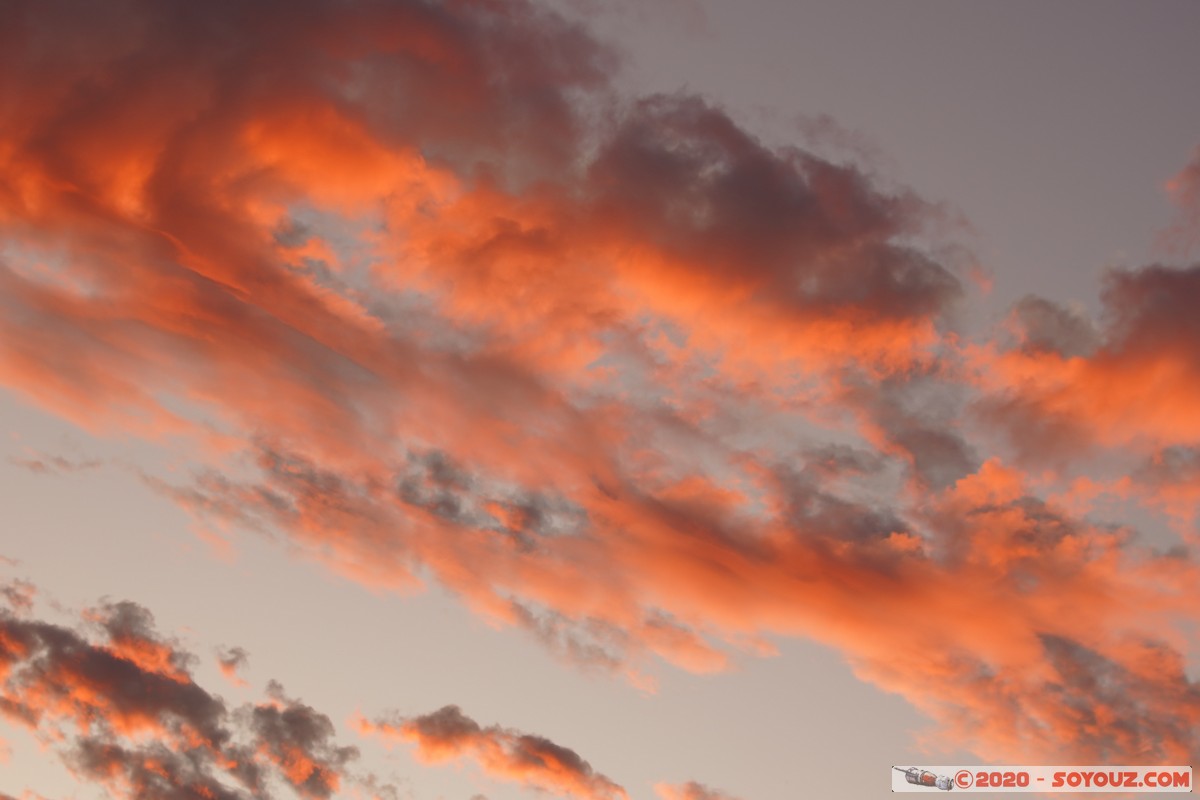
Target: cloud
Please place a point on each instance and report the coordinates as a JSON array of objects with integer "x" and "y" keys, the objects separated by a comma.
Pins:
[
  {"x": 131, "y": 636},
  {"x": 1044, "y": 326},
  {"x": 148, "y": 771},
  {"x": 18, "y": 595},
  {"x": 230, "y": 660},
  {"x": 53, "y": 676},
  {"x": 1183, "y": 189},
  {"x": 791, "y": 235},
  {"x": 949, "y": 606},
  {"x": 41, "y": 464},
  {"x": 1067, "y": 391},
  {"x": 1170, "y": 480},
  {"x": 177, "y": 234},
  {"x": 124, "y": 713},
  {"x": 125, "y": 718},
  {"x": 501, "y": 753},
  {"x": 299, "y": 741},
  {"x": 690, "y": 791},
  {"x": 416, "y": 290}
]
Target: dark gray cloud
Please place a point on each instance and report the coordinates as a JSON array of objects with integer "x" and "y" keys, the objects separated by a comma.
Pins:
[
  {"x": 1112, "y": 710},
  {"x": 447, "y": 725},
  {"x": 919, "y": 417},
  {"x": 1170, "y": 467},
  {"x": 797, "y": 230},
  {"x": 125, "y": 715},
  {"x": 588, "y": 643},
  {"x": 1044, "y": 325},
  {"x": 818, "y": 514},
  {"x": 300, "y": 741},
  {"x": 48, "y": 665},
  {"x": 130, "y": 627},
  {"x": 150, "y": 772},
  {"x": 432, "y": 481},
  {"x": 1151, "y": 311}
]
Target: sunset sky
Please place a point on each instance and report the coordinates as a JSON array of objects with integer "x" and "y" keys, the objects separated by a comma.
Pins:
[{"x": 668, "y": 400}]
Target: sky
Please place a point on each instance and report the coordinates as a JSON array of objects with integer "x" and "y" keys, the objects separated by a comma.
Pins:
[{"x": 675, "y": 400}]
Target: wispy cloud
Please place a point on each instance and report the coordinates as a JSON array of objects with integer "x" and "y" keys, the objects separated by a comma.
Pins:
[
  {"x": 1183, "y": 236},
  {"x": 231, "y": 660},
  {"x": 690, "y": 791},
  {"x": 448, "y": 735}
]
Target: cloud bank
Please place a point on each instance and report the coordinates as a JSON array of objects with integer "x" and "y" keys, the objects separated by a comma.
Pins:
[{"x": 418, "y": 289}]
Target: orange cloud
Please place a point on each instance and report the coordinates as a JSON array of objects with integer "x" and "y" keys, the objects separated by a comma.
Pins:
[
  {"x": 997, "y": 589},
  {"x": 1131, "y": 388},
  {"x": 131, "y": 638},
  {"x": 689, "y": 791},
  {"x": 417, "y": 290},
  {"x": 447, "y": 734},
  {"x": 125, "y": 714}
]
